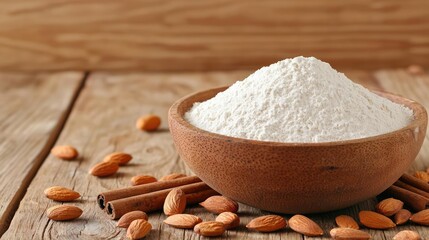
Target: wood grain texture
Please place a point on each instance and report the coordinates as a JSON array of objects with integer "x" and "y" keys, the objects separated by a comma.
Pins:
[
  {"x": 203, "y": 35},
  {"x": 103, "y": 121},
  {"x": 33, "y": 109}
]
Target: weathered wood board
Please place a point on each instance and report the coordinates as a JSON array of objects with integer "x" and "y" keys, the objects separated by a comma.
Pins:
[{"x": 33, "y": 108}]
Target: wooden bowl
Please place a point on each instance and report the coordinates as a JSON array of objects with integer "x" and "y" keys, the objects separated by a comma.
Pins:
[{"x": 297, "y": 177}]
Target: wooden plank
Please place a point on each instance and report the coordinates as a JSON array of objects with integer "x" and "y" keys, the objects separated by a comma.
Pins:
[
  {"x": 203, "y": 35},
  {"x": 103, "y": 121},
  {"x": 33, "y": 109}
]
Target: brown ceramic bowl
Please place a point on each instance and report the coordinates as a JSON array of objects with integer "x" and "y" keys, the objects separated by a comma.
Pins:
[{"x": 297, "y": 177}]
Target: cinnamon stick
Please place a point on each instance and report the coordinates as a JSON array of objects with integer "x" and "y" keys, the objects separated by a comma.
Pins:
[
  {"x": 411, "y": 188},
  {"x": 195, "y": 192},
  {"x": 415, "y": 182},
  {"x": 414, "y": 200},
  {"x": 104, "y": 198}
]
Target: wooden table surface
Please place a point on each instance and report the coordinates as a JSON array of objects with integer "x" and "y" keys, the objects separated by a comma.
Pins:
[{"x": 96, "y": 113}]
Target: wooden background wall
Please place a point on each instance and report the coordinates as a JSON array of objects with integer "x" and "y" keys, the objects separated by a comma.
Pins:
[{"x": 210, "y": 34}]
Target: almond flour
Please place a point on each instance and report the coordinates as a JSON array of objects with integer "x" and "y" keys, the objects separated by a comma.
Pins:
[{"x": 298, "y": 100}]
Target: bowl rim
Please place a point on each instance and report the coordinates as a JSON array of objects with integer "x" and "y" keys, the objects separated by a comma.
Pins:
[{"x": 419, "y": 114}]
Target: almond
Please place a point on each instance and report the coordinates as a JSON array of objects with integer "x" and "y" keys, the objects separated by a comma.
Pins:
[
  {"x": 344, "y": 221},
  {"x": 421, "y": 217},
  {"x": 220, "y": 204},
  {"x": 349, "y": 233},
  {"x": 375, "y": 220},
  {"x": 62, "y": 194},
  {"x": 126, "y": 219},
  {"x": 142, "y": 179},
  {"x": 119, "y": 158},
  {"x": 104, "y": 169},
  {"x": 407, "y": 235},
  {"x": 175, "y": 202},
  {"x": 389, "y": 206},
  {"x": 304, "y": 225},
  {"x": 148, "y": 122},
  {"x": 424, "y": 176},
  {"x": 172, "y": 176},
  {"x": 63, "y": 212},
  {"x": 182, "y": 220},
  {"x": 267, "y": 223},
  {"x": 210, "y": 229},
  {"x": 229, "y": 219},
  {"x": 65, "y": 152},
  {"x": 402, "y": 216},
  {"x": 138, "y": 229}
]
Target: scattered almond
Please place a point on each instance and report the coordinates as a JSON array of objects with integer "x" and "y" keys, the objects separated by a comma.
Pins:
[
  {"x": 138, "y": 229},
  {"x": 142, "y": 179},
  {"x": 61, "y": 194},
  {"x": 402, "y": 216},
  {"x": 304, "y": 225},
  {"x": 415, "y": 69},
  {"x": 183, "y": 220},
  {"x": 172, "y": 176},
  {"x": 229, "y": 219},
  {"x": 175, "y": 202},
  {"x": 220, "y": 204},
  {"x": 375, "y": 220},
  {"x": 344, "y": 221},
  {"x": 148, "y": 122},
  {"x": 349, "y": 233},
  {"x": 424, "y": 176},
  {"x": 407, "y": 235},
  {"x": 63, "y": 212},
  {"x": 119, "y": 158},
  {"x": 65, "y": 152},
  {"x": 389, "y": 206},
  {"x": 104, "y": 169},
  {"x": 210, "y": 229},
  {"x": 126, "y": 219},
  {"x": 421, "y": 217},
  {"x": 267, "y": 223}
]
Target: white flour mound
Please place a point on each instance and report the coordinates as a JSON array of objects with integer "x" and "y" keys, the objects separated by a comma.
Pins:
[{"x": 298, "y": 100}]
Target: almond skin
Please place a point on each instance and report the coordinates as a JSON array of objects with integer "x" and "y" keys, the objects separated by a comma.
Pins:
[
  {"x": 421, "y": 217},
  {"x": 119, "y": 158},
  {"x": 63, "y": 212},
  {"x": 104, "y": 169},
  {"x": 349, "y": 233},
  {"x": 61, "y": 194},
  {"x": 220, "y": 204},
  {"x": 344, "y": 221},
  {"x": 402, "y": 216},
  {"x": 210, "y": 229},
  {"x": 424, "y": 176},
  {"x": 65, "y": 152},
  {"x": 126, "y": 219},
  {"x": 267, "y": 223},
  {"x": 142, "y": 179},
  {"x": 389, "y": 206},
  {"x": 229, "y": 219},
  {"x": 407, "y": 235},
  {"x": 148, "y": 123},
  {"x": 375, "y": 220},
  {"x": 172, "y": 176},
  {"x": 138, "y": 229},
  {"x": 175, "y": 202},
  {"x": 186, "y": 221},
  {"x": 304, "y": 225}
]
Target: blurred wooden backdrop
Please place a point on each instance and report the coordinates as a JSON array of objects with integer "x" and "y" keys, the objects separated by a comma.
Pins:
[{"x": 210, "y": 35}]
